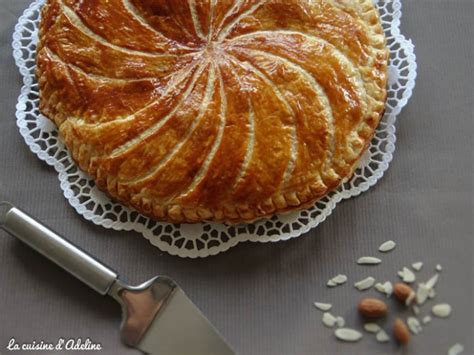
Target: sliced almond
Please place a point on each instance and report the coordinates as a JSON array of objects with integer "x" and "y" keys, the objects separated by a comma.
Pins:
[
  {"x": 410, "y": 299},
  {"x": 417, "y": 266},
  {"x": 339, "y": 279},
  {"x": 371, "y": 327},
  {"x": 416, "y": 310},
  {"x": 387, "y": 246},
  {"x": 426, "y": 290},
  {"x": 422, "y": 293},
  {"x": 329, "y": 320},
  {"x": 382, "y": 336},
  {"x": 431, "y": 283},
  {"x": 414, "y": 325},
  {"x": 365, "y": 283},
  {"x": 323, "y": 306},
  {"x": 456, "y": 349},
  {"x": 442, "y": 310},
  {"x": 407, "y": 275},
  {"x": 348, "y": 334},
  {"x": 386, "y": 288},
  {"x": 331, "y": 283},
  {"x": 340, "y": 322},
  {"x": 368, "y": 260},
  {"x": 426, "y": 319}
]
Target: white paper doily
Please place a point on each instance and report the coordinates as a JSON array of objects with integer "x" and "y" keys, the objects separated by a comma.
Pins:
[{"x": 204, "y": 239}]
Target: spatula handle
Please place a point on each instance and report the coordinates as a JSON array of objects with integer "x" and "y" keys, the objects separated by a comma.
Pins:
[{"x": 62, "y": 252}]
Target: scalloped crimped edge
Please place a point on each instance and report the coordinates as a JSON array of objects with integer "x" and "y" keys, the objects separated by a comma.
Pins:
[{"x": 336, "y": 197}]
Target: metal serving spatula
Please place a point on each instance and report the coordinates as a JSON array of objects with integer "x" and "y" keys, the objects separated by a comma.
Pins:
[{"x": 158, "y": 318}]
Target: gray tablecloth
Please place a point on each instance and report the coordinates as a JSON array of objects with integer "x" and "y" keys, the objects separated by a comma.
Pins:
[{"x": 260, "y": 295}]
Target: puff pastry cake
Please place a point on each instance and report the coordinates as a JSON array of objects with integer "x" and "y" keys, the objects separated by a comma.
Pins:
[{"x": 224, "y": 110}]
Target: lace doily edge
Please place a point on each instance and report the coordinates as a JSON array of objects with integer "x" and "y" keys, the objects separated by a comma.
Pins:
[{"x": 338, "y": 196}]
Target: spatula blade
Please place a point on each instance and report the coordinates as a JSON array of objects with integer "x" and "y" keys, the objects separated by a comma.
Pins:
[{"x": 181, "y": 329}]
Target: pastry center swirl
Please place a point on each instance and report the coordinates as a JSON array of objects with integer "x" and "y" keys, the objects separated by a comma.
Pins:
[{"x": 212, "y": 50}]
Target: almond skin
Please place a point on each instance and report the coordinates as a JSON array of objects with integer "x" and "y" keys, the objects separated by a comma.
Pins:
[
  {"x": 402, "y": 291},
  {"x": 372, "y": 308},
  {"x": 400, "y": 331}
]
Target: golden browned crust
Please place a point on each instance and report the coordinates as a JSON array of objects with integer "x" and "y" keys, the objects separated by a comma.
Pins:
[{"x": 191, "y": 110}]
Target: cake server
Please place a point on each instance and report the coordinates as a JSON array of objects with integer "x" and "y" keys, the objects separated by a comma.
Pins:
[{"x": 157, "y": 317}]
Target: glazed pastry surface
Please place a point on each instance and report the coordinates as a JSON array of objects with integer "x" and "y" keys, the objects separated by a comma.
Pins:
[{"x": 224, "y": 110}]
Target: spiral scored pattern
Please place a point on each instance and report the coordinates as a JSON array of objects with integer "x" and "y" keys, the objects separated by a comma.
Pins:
[{"x": 225, "y": 110}]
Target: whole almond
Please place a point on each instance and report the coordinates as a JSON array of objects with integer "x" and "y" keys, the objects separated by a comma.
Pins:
[
  {"x": 402, "y": 291},
  {"x": 372, "y": 308},
  {"x": 400, "y": 331}
]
